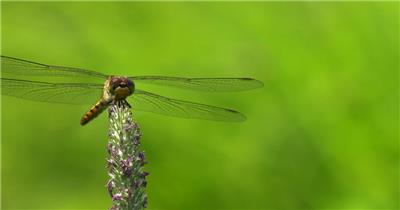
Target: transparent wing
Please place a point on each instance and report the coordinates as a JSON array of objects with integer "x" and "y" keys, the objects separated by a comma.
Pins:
[
  {"x": 202, "y": 84},
  {"x": 67, "y": 93},
  {"x": 145, "y": 101},
  {"x": 15, "y": 66}
]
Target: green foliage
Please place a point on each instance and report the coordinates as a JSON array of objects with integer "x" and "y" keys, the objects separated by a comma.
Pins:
[{"x": 322, "y": 133}]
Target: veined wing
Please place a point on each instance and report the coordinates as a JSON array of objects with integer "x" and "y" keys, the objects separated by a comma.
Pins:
[
  {"x": 67, "y": 93},
  {"x": 202, "y": 84},
  {"x": 145, "y": 101},
  {"x": 16, "y": 66}
]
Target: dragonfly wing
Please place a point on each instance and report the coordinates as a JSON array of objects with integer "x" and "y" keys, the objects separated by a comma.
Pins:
[
  {"x": 202, "y": 84},
  {"x": 67, "y": 93},
  {"x": 15, "y": 66},
  {"x": 145, "y": 101}
]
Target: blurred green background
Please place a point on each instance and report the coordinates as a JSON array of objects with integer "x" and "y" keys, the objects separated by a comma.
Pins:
[{"x": 322, "y": 134}]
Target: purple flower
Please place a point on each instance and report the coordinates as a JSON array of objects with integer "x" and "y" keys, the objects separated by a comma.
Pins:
[{"x": 127, "y": 179}]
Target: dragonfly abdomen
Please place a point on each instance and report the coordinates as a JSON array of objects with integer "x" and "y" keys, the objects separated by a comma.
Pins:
[{"x": 98, "y": 108}]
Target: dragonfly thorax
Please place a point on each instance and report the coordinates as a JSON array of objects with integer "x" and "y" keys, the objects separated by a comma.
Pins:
[{"x": 120, "y": 87}]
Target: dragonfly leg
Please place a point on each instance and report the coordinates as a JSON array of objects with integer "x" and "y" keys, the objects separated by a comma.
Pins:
[
  {"x": 121, "y": 103},
  {"x": 126, "y": 102}
]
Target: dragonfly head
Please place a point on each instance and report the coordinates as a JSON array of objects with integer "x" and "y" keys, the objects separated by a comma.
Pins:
[{"x": 121, "y": 87}]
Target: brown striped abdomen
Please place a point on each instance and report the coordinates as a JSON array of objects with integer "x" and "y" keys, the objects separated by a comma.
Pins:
[{"x": 98, "y": 108}]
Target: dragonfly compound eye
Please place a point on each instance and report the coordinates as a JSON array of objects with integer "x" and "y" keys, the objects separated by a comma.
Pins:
[{"x": 131, "y": 85}]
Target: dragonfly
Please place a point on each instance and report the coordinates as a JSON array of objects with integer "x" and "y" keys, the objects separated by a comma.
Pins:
[{"x": 111, "y": 88}]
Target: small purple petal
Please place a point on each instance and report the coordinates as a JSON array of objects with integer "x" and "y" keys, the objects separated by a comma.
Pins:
[
  {"x": 137, "y": 135},
  {"x": 142, "y": 158},
  {"x": 135, "y": 184},
  {"x": 144, "y": 174},
  {"x": 109, "y": 148},
  {"x": 110, "y": 186},
  {"x": 129, "y": 127},
  {"x": 130, "y": 159},
  {"x": 130, "y": 194},
  {"x": 110, "y": 163},
  {"x": 127, "y": 166},
  {"x": 117, "y": 197},
  {"x": 114, "y": 207}
]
